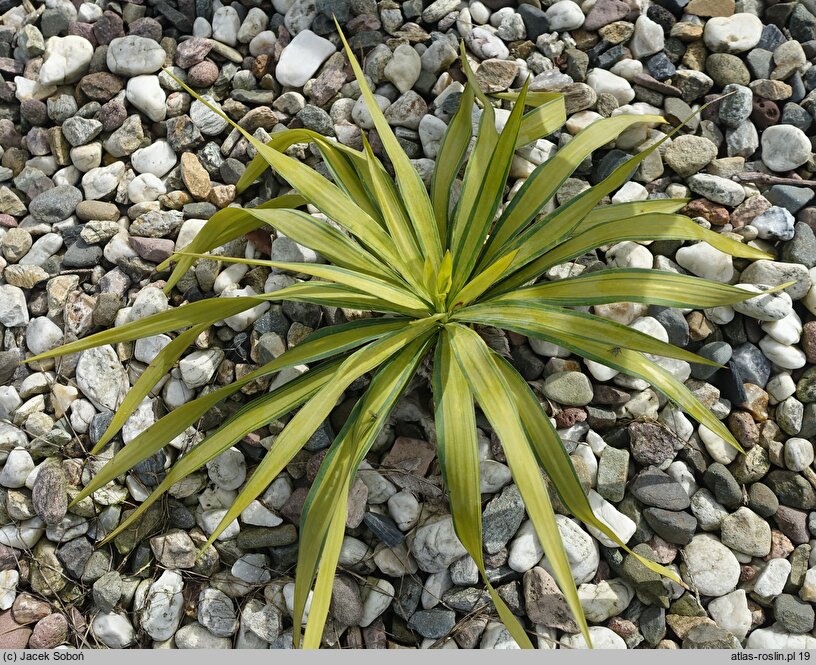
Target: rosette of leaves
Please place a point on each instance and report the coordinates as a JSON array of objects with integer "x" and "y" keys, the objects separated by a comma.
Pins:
[{"x": 433, "y": 266}]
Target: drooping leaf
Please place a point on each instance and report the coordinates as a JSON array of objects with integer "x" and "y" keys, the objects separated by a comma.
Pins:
[
  {"x": 325, "y": 343},
  {"x": 225, "y": 225},
  {"x": 459, "y": 461},
  {"x": 479, "y": 366},
  {"x": 535, "y": 322},
  {"x": 251, "y": 417},
  {"x": 652, "y": 287},
  {"x": 331, "y": 485},
  {"x": 355, "y": 280},
  {"x": 554, "y": 459},
  {"x": 316, "y": 410},
  {"x": 570, "y": 322}
]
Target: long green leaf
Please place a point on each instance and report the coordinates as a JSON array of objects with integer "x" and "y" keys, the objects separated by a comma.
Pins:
[
  {"x": 331, "y": 485},
  {"x": 542, "y": 121},
  {"x": 628, "y": 210},
  {"x": 225, "y": 225},
  {"x": 459, "y": 461},
  {"x": 479, "y": 365},
  {"x": 547, "y": 178},
  {"x": 327, "y": 197},
  {"x": 201, "y": 312},
  {"x": 569, "y": 322},
  {"x": 414, "y": 196},
  {"x": 251, "y": 417},
  {"x": 535, "y": 322},
  {"x": 454, "y": 148},
  {"x": 329, "y": 556},
  {"x": 482, "y": 282},
  {"x": 652, "y": 287},
  {"x": 654, "y": 226},
  {"x": 325, "y": 343},
  {"x": 355, "y": 280},
  {"x": 651, "y": 226},
  {"x": 396, "y": 219},
  {"x": 344, "y": 163},
  {"x": 480, "y": 155},
  {"x": 160, "y": 365},
  {"x": 481, "y": 196},
  {"x": 556, "y": 462},
  {"x": 301, "y": 227},
  {"x": 315, "y": 411}
]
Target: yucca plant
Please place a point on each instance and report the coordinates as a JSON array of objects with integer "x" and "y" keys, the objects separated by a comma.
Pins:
[{"x": 436, "y": 267}]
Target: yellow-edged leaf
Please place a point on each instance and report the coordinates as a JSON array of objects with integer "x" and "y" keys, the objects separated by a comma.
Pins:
[
  {"x": 251, "y": 417},
  {"x": 225, "y": 225},
  {"x": 542, "y": 184},
  {"x": 330, "y": 199},
  {"x": 556, "y": 462},
  {"x": 396, "y": 219},
  {"x": 331, "y": 485},
  {"x": 479, "y": 365},
  {"x": 542, "y": 121},
  {"x": 569, "y": 322},
  {"x": 315, "y": 411},
  {"x": 481, "y": 197},
  {"x": 412, "y": 189},
  {"x": 482, "y": 281},
  {"x": 346, "y": 165},
  {"x": 355, "y": 280},
  {"x": 529, "y": 321},
  {"x": 454, "y": 148},
  {"x": 158, "y": 367},
  {"x": 459, "y": 461},
  {"x": 652, "y": 287},
  {"x": 334, "y": 341}
]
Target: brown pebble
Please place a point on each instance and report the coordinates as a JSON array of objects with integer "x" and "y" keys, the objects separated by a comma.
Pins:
[
  {"x": 100, "y": 86},
  {"x": 49, "y": 632},
  {"x": 793, "y": 523},
  {"x": 765, "y": 113},
  {"x": 568, "y": 417},
  {"x": 708, "y": 210},
  {"x": 12, "y": 634},
  {"x": 202, "y": 74},
  {"x": 744, "y": 429},
  {"x": 756, "y": 403},
  {"x": 745, "y": 212},
  {"x": 781, "y": 546},
  {"x": 747, "y": 573},
  {"x": 28, "y": 609}
]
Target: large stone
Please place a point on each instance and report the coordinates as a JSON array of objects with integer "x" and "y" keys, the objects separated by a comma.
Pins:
[
  {"x": 66, "y": 59},
  {"x": 710, "y": 566},
  {"x": 163, "y": 606},
  {"x": 301, "y": 58},
  {"x": 101, "y": 377}
]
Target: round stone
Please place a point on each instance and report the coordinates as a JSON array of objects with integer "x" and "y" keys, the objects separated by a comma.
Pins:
[
  {"x": 785, "y": 147},
  {"x": 568, "y": 388},
  {"x": 733, "y": 34},
  {"x": 688, "y": 154},
  {"x": 710, "y": 566}
]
